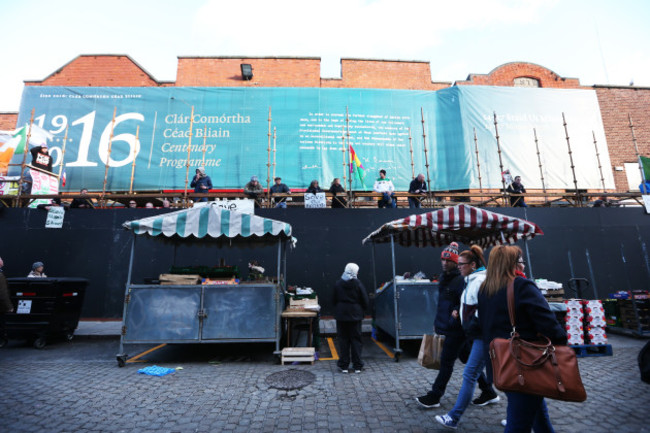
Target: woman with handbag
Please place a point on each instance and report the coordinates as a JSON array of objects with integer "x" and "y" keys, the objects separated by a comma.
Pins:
[
  {"x": 533, "y": 317},
  {"x": 471, "y": 264}
]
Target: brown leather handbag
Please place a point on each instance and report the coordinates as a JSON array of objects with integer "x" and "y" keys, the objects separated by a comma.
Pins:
[{"x": 535, "y": 367}]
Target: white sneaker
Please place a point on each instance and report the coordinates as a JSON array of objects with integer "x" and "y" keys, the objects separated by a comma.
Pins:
[{"x": 504, "y": 422}]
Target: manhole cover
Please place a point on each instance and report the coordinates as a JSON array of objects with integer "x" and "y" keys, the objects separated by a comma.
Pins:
[{"x": 290, "y": 379}]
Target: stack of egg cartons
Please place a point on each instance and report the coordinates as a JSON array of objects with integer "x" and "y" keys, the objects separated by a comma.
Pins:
[
  {"x": 595, "y": 322},
  {"x": 574, "y": 322}
]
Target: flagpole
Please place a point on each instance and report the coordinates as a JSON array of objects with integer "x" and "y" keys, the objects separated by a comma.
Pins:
[
  {"x": 539, "y": 161},
  {"x": 600, "y": 167},
  {"x": 636, "y": 149},
  {"x": 426, "y": 156},
  {"x": 573, "y": 167},
  {"x": 189, "y": 149},
  {"x": 108, "y": 158},
  {"x": 347, "y": 133},
  {"x": 22, "y": 165},
  {"x": 496, "y": 132},
  {"x": 137, "y": 135},
  {"x": 478, "y": 163}
]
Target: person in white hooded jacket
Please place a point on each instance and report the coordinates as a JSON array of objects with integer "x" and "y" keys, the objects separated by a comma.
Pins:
[{"x": 471, "y": 264}]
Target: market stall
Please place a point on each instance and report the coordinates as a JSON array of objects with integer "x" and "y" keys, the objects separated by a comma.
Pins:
[
  {"x": 407, "y": 309},
  {"x": 227, "y": 312}
]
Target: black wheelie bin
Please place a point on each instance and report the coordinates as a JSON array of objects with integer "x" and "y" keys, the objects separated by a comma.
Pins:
[{"x": 43, "y": 308}]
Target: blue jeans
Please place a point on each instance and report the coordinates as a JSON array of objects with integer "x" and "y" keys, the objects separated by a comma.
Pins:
[
  {"x": 473, "y": 370},
  {"x": 388, "y": 200},
  {"x": 414, "y": 203},
  {"x": 281, "y": 204},
  {"x": 526, "y": 412}
]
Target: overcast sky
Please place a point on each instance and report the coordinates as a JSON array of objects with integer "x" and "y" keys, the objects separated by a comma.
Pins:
[{"x": 596, "y": 41}]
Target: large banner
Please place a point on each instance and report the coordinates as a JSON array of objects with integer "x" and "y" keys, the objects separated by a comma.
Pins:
[{"x": 307, "y": 129}]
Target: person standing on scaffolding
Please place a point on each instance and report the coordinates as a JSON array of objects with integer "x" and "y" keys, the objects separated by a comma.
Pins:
[{"x": 517, "y": 187}]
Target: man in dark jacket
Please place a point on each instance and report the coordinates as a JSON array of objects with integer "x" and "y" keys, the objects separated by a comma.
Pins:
[
  {"x": 447, "y": 323},
  {"x": 201, "y": 183},
  {"x": 417, "y": 186},
  {"x": 350, "y": 301}
]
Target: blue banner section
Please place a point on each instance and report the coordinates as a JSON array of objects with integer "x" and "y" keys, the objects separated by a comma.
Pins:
[{"x": 306, "y": 131}]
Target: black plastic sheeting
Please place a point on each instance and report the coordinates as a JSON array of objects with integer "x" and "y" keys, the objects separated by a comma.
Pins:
[{"x": 93, "y": 245}]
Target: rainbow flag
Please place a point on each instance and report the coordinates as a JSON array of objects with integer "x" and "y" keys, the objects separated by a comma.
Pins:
[{"x": 356, "y": 166}]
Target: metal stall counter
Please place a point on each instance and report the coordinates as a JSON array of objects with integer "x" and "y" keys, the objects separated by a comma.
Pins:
[{"x": 211, "y": 313}]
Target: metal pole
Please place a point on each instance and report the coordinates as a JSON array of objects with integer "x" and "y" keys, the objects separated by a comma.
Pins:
[
  {"x": 268, "y": 162},
  {"x": 278, "y": 324},
  {"x": 530, "y": 264},
  {"x": 396, "y": 298},
  {"x": 345, "y": 179},
  {"x": 137, "y": 134},
  {"x": 108, "y": 158},
  {"x": 411, "y": 147},
  {"x": 22, "y": 165},
  {"x": 636, "y": 150},
  {"x": 503, "y": 181},
  {"x": 374, "y": 269},
  {"x": 600, "y": 167},
  {"x": 127, "y": 290},
  {"x": 591, "y": 274},
  {"x": 539, "y": 161},
  {"x": 426, "y": 156},
  {"x": 573, "y": 168},
  {"x": 478, "y": 162},
  {"x": 189, "y": 149}
]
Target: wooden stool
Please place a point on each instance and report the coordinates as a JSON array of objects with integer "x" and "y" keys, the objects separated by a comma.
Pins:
[{"x": 299, "y": 314}]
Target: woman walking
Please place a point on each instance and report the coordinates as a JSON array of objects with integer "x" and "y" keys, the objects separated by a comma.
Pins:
[
  {"x": 533, "y": 315},
  {"x": 350, "y": 301},
  {"x": 471, "y": 264}
]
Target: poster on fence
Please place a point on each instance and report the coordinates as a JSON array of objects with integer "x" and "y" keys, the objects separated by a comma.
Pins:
[
  {"x": 245, "y": 205},
  {"x": 43, "y": 183},
  {"x": 315, "y": 201},
  {"x": 55, "y": 217}
]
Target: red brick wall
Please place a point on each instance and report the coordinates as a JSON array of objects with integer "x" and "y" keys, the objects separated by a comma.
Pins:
[
  {"x": 267, "y": 72},
  {"x": 615, "y": 105},
  {"x": 384, "y": 74},
  {"x": 101, "y": 70},
  {"x": 504, "y": 75},
  {"x": 8, "y": 121}
]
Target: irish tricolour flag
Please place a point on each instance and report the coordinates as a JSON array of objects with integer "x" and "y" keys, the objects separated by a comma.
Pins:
[{"x": 11, "y": 143}]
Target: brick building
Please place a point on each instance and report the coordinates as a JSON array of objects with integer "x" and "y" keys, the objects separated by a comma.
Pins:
[{"x": 618, "y": 104}]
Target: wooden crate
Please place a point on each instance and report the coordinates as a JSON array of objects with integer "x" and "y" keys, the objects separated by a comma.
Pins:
[
  {"x": 298, "y": 354},
  {"x": 179, "y": 280}
]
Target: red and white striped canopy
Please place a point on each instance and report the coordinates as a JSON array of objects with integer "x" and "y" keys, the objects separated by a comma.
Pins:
[{"x": 462, "y": 223}]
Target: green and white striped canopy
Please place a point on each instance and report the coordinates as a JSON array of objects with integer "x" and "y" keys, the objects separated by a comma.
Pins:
[{"x": 211, "y": 221}]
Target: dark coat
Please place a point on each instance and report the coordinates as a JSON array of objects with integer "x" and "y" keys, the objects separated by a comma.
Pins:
[
  {"x": 5, "y": 300},
  {"x": 350, "y": 300},
  {"x": 313, "y": 190},
  {"x": 450, "y": 289},
  {"x": 417, "y": 185},
  {"x": 41, "y": 160},
  {"x": 202, "y": 181},
  {"x": 338, "y": 201},
  {"x": 532, "y": 314}
]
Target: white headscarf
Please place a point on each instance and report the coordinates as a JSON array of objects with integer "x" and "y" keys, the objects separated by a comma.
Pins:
[{"x": 351, "y": 271}]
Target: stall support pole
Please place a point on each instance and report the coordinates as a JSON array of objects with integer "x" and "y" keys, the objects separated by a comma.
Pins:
[
  {"x": 374, "y": 270},
  {"x": 396, "y": 295},
  {"x": 121, "y": 357},
  {"x": 278, "y": 312},
  {"x": 530, "y": 265}
]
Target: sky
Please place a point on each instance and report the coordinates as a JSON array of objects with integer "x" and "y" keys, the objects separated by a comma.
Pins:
[{"x": 597, "y": 41}]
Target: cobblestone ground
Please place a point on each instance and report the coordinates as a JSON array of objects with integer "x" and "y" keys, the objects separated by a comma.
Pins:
[{"x": 88, "y": 395}]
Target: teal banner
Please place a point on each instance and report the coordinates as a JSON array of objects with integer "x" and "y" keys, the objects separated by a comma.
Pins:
[{"x": 300, "y": 133}]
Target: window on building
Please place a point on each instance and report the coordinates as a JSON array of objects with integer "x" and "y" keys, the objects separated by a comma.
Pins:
[{"x": 526, "y": 82}]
